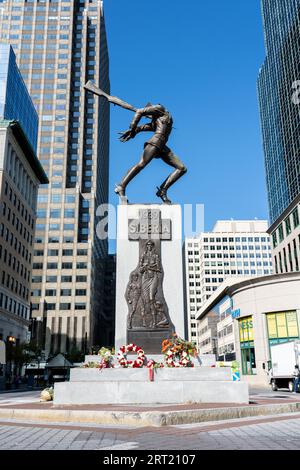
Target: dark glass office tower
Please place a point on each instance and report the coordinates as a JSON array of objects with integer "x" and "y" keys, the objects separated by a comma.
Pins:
[
  {"x": 280, "y": 116},
  {"x": 60, "y": 45}
]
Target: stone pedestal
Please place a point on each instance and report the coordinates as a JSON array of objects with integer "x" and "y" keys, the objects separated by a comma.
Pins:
[
  {"x": 149, "y": 295},
  {"x": 132, "y": 386}
]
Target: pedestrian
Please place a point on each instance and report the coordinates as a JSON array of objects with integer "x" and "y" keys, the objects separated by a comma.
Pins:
[
  {"x": 296, "y": 378},
  {"x": 16, "y": 381}
]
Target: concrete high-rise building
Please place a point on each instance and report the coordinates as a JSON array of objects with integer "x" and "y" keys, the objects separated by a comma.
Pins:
[
  {"x": 59, "y": 46},
  {"x": 238, "y": 248},
  {"x": 279, "y": 99}
]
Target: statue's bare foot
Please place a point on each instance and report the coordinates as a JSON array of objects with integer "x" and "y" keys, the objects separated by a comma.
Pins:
[
  {"x": 119, "y": 189},
  {"x": 162, "y": 193},
  {"x": 163, "y": 323}
]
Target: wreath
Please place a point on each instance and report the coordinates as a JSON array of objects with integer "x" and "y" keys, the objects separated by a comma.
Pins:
[
  {"x": 175, "y": 358},
  {"x": 177, "y": 352},
  {"x": 122, "y": 356}
]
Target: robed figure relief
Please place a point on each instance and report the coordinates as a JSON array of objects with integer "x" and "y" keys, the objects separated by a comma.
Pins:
[{"x": 144, "y": 294}]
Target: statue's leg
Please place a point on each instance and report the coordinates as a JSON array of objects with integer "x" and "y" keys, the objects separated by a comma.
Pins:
[
  {"x": 153, "y": 292},
  {"x": 143, "y": 313},
  {"x": 133, "y": 310},
  {"x": 149, "y": 153},
  {"x": 171, "y": 159}
]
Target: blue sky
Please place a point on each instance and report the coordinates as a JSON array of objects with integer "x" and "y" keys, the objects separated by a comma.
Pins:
[{"x": 200, "y": 59}]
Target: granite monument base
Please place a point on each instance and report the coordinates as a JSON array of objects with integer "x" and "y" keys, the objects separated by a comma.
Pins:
[
  {"x": 149, "y": 281},
  {"x": 133, "y": 386},
  {"x": 148, "y": 340}
]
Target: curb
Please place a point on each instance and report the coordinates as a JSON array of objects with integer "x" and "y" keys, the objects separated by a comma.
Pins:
[{"x": 147, "y": 418}]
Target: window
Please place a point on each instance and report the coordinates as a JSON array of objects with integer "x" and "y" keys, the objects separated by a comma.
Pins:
[
  {"x": 282, "y": 327},
  {"x": 66, "y": 292},
  {"x": 247, "y": 346},
  {"x": 280, "y": 233},
  {"x": 80, "y": 292},
  {"x": 50, "y": 292},
  {"x": 67, "y": 265},
  {"x": 295, "y": 215},
  {"x": 288, "y": 227},
  {"x": 64, "y": 306},
  {"x": 53, "y": 252},
  {"x": 52, "y": 265}
]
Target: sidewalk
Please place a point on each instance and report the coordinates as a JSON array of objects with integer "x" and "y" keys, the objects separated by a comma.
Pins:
[
  {"x": 24, "y": 388},
  {"x": 143, "y": 416}
]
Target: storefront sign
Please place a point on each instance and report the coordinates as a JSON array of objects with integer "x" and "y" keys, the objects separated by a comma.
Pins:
[{"x": 236, "y": 313}]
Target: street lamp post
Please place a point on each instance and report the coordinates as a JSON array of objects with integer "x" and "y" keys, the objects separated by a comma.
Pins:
[{"x": 10, "y": 342}]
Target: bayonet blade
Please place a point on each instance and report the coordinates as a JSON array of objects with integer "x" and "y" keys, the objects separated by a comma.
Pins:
[{"x": 112, "y": 99}]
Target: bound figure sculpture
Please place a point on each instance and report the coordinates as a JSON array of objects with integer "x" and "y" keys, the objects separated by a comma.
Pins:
[
  {"x": 155, "y": 147},
  {"x": 145, "y": 306}
]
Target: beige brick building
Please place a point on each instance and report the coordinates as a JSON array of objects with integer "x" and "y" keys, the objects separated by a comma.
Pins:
[{"x": 20, "y": 175}]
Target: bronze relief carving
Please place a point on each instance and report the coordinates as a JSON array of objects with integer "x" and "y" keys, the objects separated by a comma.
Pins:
[{"x": 147, "y": 307}]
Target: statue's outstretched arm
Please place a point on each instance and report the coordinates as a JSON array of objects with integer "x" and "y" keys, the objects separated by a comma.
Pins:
[
  {"x": 145, "y": 128},
  {"x": 147, "y": 111}
]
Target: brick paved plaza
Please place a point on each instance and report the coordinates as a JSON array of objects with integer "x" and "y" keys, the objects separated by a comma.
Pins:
[{"x": 272, "y": 433}]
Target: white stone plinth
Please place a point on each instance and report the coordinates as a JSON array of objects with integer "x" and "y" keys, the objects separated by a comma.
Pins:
[
  {"x": 132, "y": 386},
  {"x": 171, "y": 258},
  {"x": 142, "y": 375}
]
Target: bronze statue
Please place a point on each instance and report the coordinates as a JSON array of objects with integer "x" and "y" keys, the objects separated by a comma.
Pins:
[
  {"x": 155, "y": 147},
  {"x": 133, "y": 296},
  {"x": 150, "y": 268}
]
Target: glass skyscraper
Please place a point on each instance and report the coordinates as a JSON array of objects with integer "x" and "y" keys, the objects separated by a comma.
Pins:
[
  {"x": 279, "y": 99},
  {"x": 280, "y": 117},
  {"x": 15, "y": 101},
  {"x": 59, "y": 46}
]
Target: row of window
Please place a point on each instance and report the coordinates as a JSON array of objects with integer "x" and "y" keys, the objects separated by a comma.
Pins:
[
  {"x": 227, "y": 348},
  {"x": 235, "y": 255},
  {"x": 20, "y": 177},
  {"x": 79, "y": 265},
  {"x": 12, "y": 217},
  {"x": 10, "y": 238},
  {"x": 55, "y": 239},
  {"x": 226, "y": 331},
  {"x": 18, "y": 205},
  {"x": 63, "y": 292},
  {"x": 205, "y": 342},
  {"x": 13, "y": 306},
  {"x": 231, "y": 240},
  {"x": 62, "y": 306},
  {"x": 14, "y": 263},
  {"x": 237, "y": 247},
  {"x": 55, "y": 214},
  {"x": 14, "y": 286},
  {"x": 54, "y": 279},
  {"x": 65, "y": 252},
  {"x": 54, "y": 227},
  {"x": 237, "y": 272},
  {"x": 287, "y": 260},
  {"x": 285, "y": 229}
]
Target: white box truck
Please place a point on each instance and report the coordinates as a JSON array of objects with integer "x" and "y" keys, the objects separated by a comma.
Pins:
[{"x": 284, "y": 357}]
